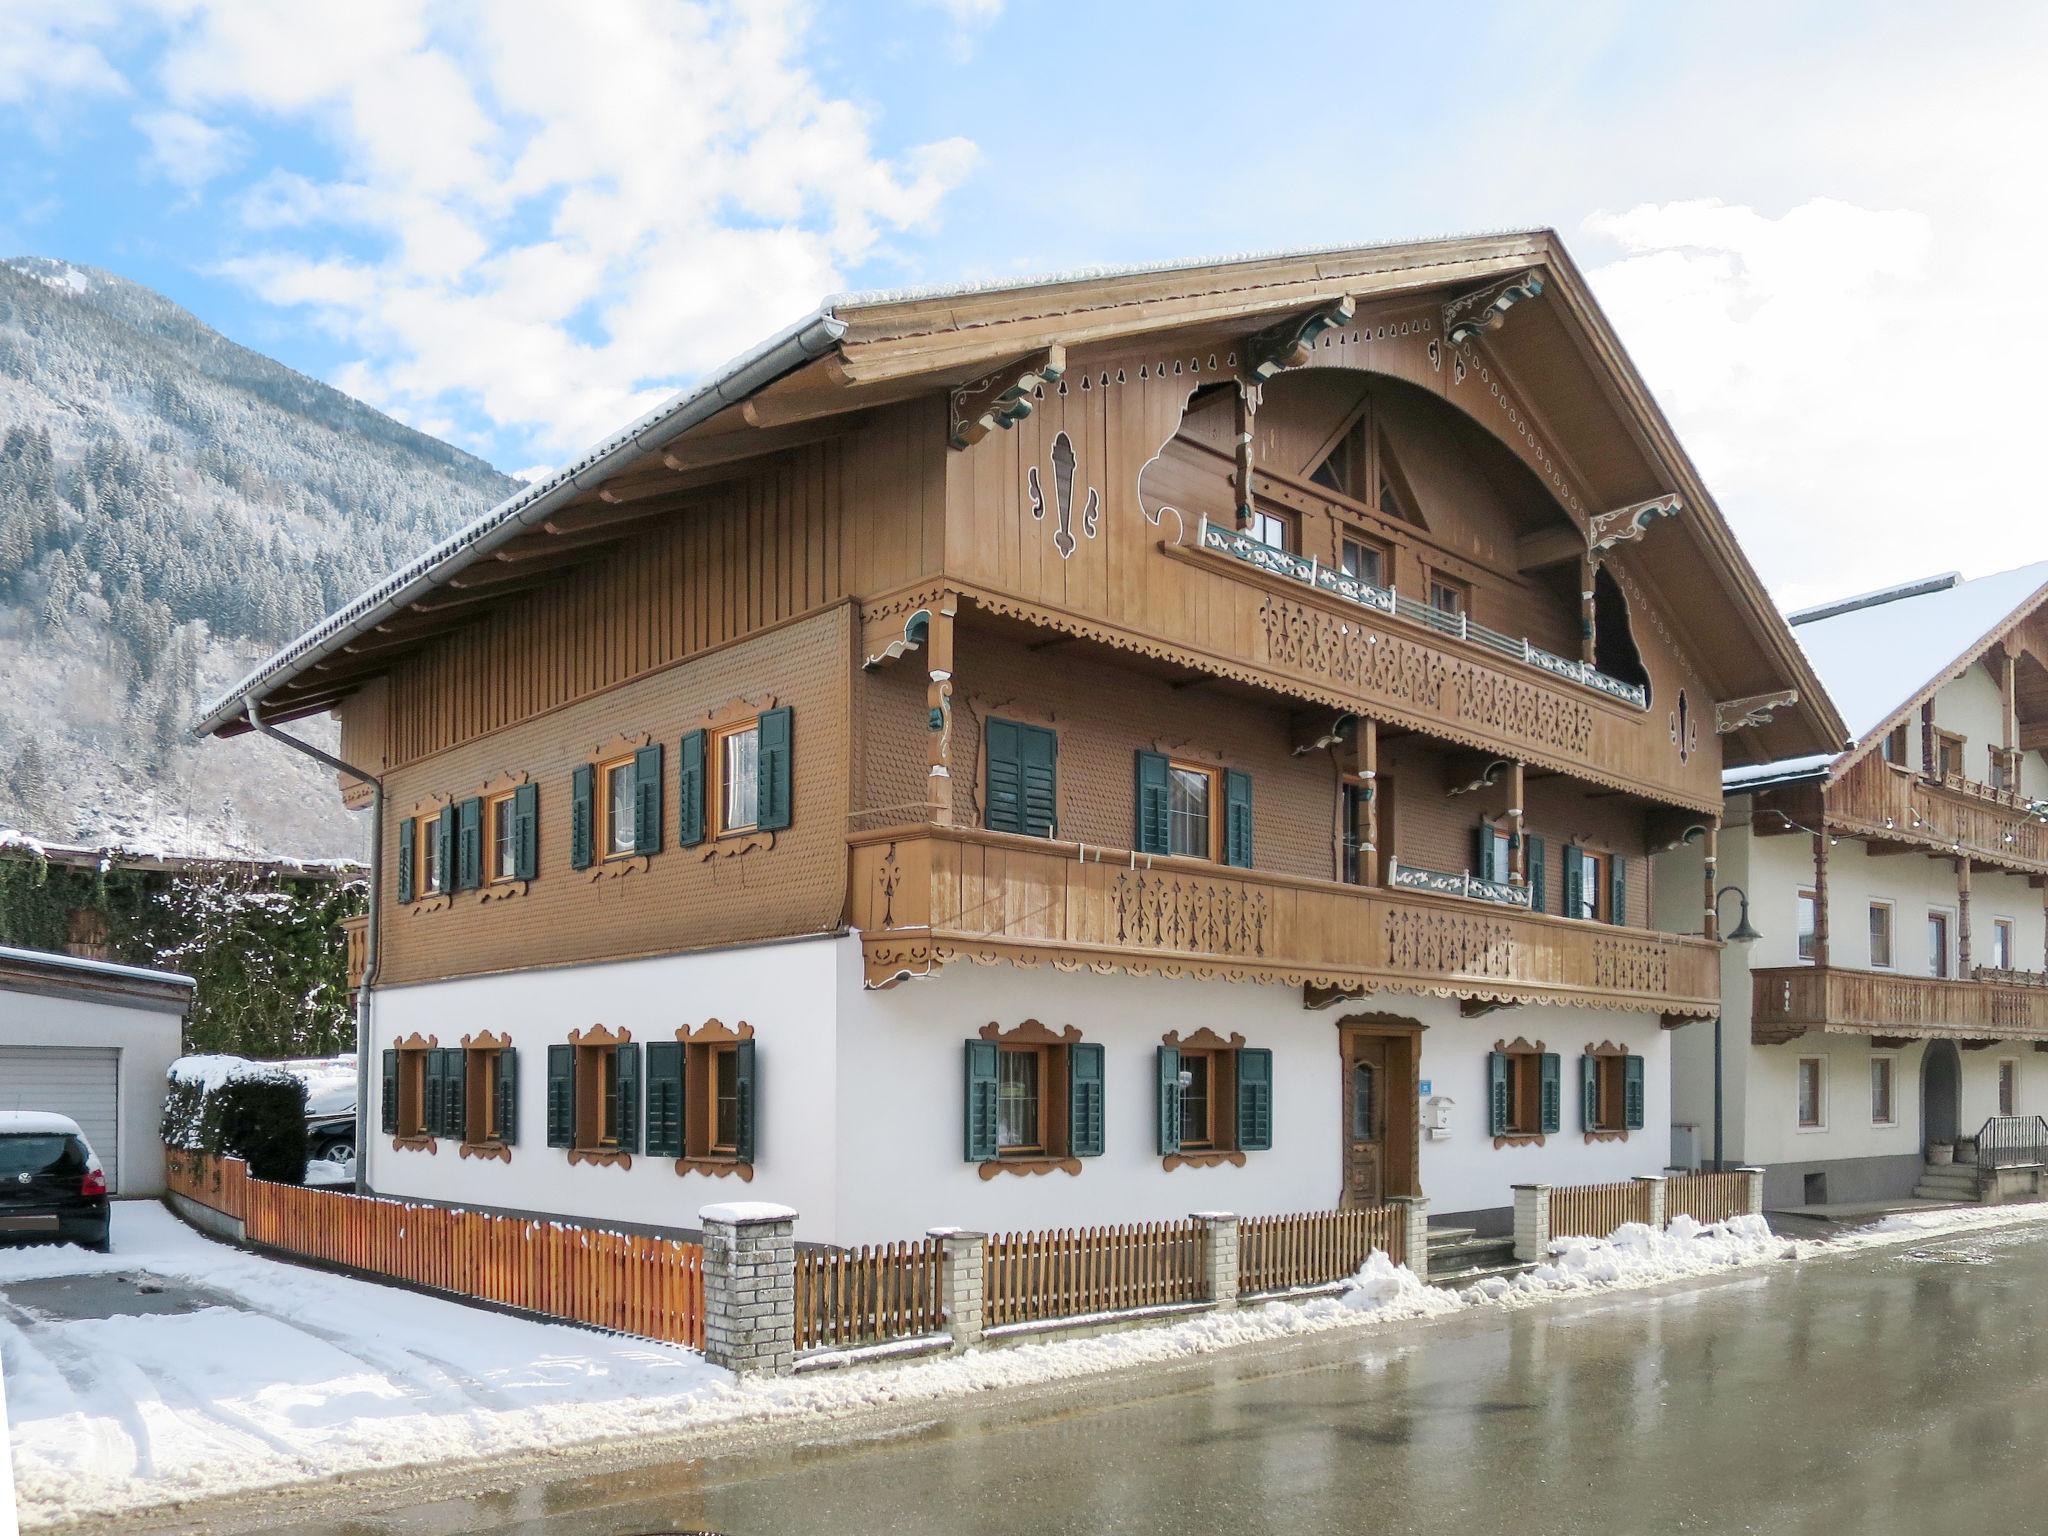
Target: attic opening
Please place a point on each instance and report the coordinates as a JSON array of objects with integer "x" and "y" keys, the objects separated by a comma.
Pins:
[
  {"x": 1361, "y": 464},
  {"x": 1614, "y": 643}
]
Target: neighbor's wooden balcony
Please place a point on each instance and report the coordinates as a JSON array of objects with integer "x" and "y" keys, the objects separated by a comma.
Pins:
[
  {"x": 1787, "y": 1001},
  {"x": 922, "y": 896},
  {"x": 355, "y": 933},
  {"x": 1888, "y": 804}
]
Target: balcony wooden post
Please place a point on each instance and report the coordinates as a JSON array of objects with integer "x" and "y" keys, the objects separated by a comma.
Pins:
[
  {"x": 1519, "y": 865},
  {"x": 939, "y": 702},
  {"x": 1247, "y": 421},
  {"x": 1930, "y": 765},
  {"x": 1820, "y": 897},
  {"x": 1963, "y": 918},
  {"x": 1711, "y": 928},
  {"x": 1587, "y": 617},
  {"x": 1369, "y": 771}
]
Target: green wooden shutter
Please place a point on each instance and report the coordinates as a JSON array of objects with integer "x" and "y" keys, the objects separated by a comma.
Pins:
[
  {"x": 508, "y": 1097},
  {"x": 1632, "y": 1092},
  {"x": 626, "y": 1107},
  {"x": 469, "y": 844},
  {"x": 526, "y": 832},
  {"x": 1482, "y": 852},
  {"x": 980, "y": 1105},
  {"x": 455, "y": 1095},
  {"x": 431, "y": 1118},
  {"x": 1617, "y": 901},
  {"x": 582, "y": 819},
  {"x": 690, "y": 791},
  {"x": 1169, "y": 1100},
  {"x": 1153, "y": 832},
  {"x": 408, "y": 843},
  {"x": 1497, "y": 1092},
  {"x": 665, "y": 1098},
  {"x": 390, "y": 1105},
  {"x": 1084, "y": 1100},
  {"x": 647, "y": 799},
  {"x": 1003, "y": 773},
  {"x": 1038, "y": 766},
  {"x": 561, "y": 1095},
  {"x": 444, "y": 848},
  {"x": 1551, "y": 1100},
  {"x": 1574, "y": 880},
  {"x": 771, "y": 785},
  {"x": 1254, "y": 1100},
  {"x": 746, "y": 1135},
  {"x": 1237, "y": 823},
  {"x": 1589, "y": 1093},
  {"x": 1536, "y": 889}
]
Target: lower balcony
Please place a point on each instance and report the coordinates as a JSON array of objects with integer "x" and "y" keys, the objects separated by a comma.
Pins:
[
  {"x": 923, "y": 896},
  {"x": 1787, "y": 1001}
]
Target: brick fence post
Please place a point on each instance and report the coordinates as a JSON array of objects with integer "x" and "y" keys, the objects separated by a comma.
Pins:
[
  {"x": 750, "y": 1287},
  {"x": 1532, "y": 1222},
  {"x": 1219, "y": 1257},
  {"x": 1755, "y": 1207},
  {"x": 962, "y": 1265},
  {"x": 1414, "y": 1232},
  {"x": 1656, "y": 1217}
]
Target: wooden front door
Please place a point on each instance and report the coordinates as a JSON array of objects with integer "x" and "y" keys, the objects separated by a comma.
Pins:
[{"x": 1379, "y": 1110}]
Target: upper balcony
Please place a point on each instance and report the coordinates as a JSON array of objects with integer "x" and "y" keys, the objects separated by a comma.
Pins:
[
  {"x": 1787, "y": 1001},
  {"x": 922, "y": 895},
  {"x": 1884, "y": 803}
]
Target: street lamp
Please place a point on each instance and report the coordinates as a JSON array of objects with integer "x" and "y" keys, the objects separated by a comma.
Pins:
[{"x": 1742, "y": 934}]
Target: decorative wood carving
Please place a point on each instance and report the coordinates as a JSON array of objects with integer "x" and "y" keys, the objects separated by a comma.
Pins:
[
  {"x": 1624, "y": 524},
  {"x": 1064, "y": 463},
  {"x": 1519, "y": 1046},
  {"x": 1030, "y": 1032},
  {"x": 716, "y": 1167},
  {"x": 486, "y": 1041},
  {"x": 424, "y": 1144},
  {"x": 1757, "y": 709},
  {"x": 1175, "y": 1160},
  {"x": 1287, "y": 344},
  {"x": 734, "y": 711},
  {"x": 618, "y": 867},
  {"x": 1483, "y": 309},
  {"x": 1032, "y": 1166},
  {"x": 488, "y": 1151},
  {"x": 1316, "y": 996},
  {"x": 1480, "y": 1007},
  {"x": 600, "y": 1034},
  {"x": 714, "y": 1032},
  {"x": 1002, "y": 398},
  {"x": 1187, "y": 912},
  {"x": 417, "y": 1042},
  {"x": 625, "y": 744},
  {"x": 1203, "y": 1039},
  {"x": 1606, "y": 1048},
  {"x": 600, "y": 1159}
]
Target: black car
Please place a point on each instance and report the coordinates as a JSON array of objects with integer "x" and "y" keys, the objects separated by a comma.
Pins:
[{"x": 52, "y": 1188}]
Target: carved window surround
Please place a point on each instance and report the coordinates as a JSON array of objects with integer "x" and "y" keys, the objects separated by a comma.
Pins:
[
  {"x": 596, "y": 1038},
  {"x": 1606, "y": 1051},
  {"x": 698, "y": 1066},
  {"x": 475, "y": 1094},
  {"x": 734, "y": 713},
  {"x": 424, "y": 813},
  {"x": 1525, "y": 1056},
  {"x": 1222, "y": 1087},
  {"x": 603, "y": 760},
  {"x": 1052, "y": 1099},
  {"x": 494, "y": 789}
]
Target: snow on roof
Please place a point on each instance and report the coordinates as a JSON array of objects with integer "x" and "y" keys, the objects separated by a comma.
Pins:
[
  {"x": 1756, "y": 775},
  {"x": 37, "y": 1122},
  {"x": 48, "y": 959}
]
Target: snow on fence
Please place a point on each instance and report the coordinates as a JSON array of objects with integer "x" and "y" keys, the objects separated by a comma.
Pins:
[
  {"x": 1032, "y": 1276},
  {"x": 1706, "y": 1197},
  {"x": 1595, "y": 1210},
  {"x": 649, "y": 1286},
  {"x": 849, "y": 1296},
  {"x": 1277, "y": 1253}
]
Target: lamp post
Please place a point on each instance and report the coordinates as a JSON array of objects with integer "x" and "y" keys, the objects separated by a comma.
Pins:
[{"x": 1745, "y": 935}]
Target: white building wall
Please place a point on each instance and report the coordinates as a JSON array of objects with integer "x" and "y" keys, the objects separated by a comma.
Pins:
[{"x": 148, "y": 1042}]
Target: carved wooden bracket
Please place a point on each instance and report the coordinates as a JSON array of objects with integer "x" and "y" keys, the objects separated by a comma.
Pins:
[
  {"x": 488, "y": 1151},
  {"x": 1757, "y": 709},
  {"x": 1592, "y": 1136},
  {"x": 1030, "y": 1165},
  {"x": 1623, "y": 524},
  {"x": 1287, "y": 344},
  {"x": 1606, "y": 1048},
  {"x": 487, "y": 1042},
  {"x": 1203, "y": 1039},
  {"x": 1315, "y": 996},
  {"x": 618, "y": 866},
  {"x": 714, "y": 1032},
  {"x": 1485, "y": 774},
  {"x": 600, "y": 1034},
  {"x": 1519, "y": 1046},
  {"x": 1174, "y": 1160},
  {"x": 417, "y": 1042},
  {"x": 1030, "y": 1032},
  {"x": 414, "y": 1144},
  {"x": 1480, "y": 1007},
  {"x": 625, "y": 744},
  {"x": 716, "y": 1167},
  {"x": 600, "y": 1159},
  {"x": 1483, "y": 309},
  {"x": 1533, "y": 1140},
  {"x": 1003, "y": 398}
]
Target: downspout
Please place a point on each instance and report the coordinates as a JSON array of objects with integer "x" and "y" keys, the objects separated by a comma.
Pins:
[{"x": 307, "y": 749}]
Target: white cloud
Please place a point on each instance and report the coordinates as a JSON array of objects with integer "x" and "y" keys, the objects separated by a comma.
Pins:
[
  {"x": 46, "y": 51},
  {"x": 187, "y": 152}
]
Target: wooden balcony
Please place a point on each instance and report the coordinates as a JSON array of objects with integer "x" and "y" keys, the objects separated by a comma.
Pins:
[
  {"x": 1787, "y": 1001},
  {"x": 923, "y": 896},
  {"x": 355, "y": 933},
  {"x": 1884, "y": 804}
]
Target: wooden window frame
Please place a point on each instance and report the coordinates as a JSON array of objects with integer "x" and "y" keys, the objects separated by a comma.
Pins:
[
  {"x": 1610, "y": 1092},
  {"x": 1457, "y": 586},
  {"x": 1945, "y": 969},
  {"x": 602, "y": 811},
  {"x": 494, "y": 844},
  {"x": 1215, "y": 811},
  {"x": 1895, "y": 748},
  {"x": 714, "y": 776},
  {"x": 1596, "y": 873},
  {"x": 429, "y": 879},
  {"x": 1805, "y": 933},
  {"x": 1820, "y": 1096},
  {"x": 1525, "y": 1091},
  {"x": 1382, "y": 551},
  {"x": 483, "y": 1061},
  {"x": 2004, "y": 943},
  {"x": 1288, "y": 524},
  {"x": 596, "y": 1096},
  {"x": 1041, "y": 1058},
  {"x": 1056, "y": 1148},
  {"x": 704, "y": 1046},
  {"x": 1888, "y": 1063},
  {"x": 1950, "y": 754},
  {"x": 1891, "y": 934},
  {"x": 1219, "y": 1064},
  {"x": 2008, "y": 1072},
  {"x": 412, "y": 1133}
]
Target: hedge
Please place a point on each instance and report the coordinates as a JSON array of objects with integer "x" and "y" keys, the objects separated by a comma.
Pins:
[{"x": 234, "y": 1108}]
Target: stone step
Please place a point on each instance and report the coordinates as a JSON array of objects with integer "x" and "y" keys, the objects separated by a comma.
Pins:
[
  {"x": 1958, "y": 1178},
  {"x": 1444, "y": 1237},
  {"x": 1459, "y": 1279},
  {"x": 1470, "y": 1253},
  {"x": 1947, "y": 1194}
]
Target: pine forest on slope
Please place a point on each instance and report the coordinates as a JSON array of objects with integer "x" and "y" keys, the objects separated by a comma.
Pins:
[{"x": 173, "y": 507}]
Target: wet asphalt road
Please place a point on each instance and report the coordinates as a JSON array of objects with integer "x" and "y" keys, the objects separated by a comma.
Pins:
[{"x": 1895, "y": 1391}]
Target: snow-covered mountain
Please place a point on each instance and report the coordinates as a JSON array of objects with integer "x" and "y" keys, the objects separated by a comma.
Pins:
[{"x": 172, "y": 507}]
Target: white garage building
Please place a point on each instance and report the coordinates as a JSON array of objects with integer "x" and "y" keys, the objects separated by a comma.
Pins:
[{"x": 93, "y": 1040}]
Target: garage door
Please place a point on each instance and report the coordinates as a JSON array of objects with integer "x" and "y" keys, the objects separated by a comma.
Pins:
[{"x": 66, "y": 1081}]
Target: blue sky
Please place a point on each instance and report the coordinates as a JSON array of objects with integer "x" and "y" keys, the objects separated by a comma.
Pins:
[{"x": 517, "y": 223}]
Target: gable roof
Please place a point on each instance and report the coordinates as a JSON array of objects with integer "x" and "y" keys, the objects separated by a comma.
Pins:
[
  {"x": 869, "y": 349},
  {"x": 1883, "y": 653}
]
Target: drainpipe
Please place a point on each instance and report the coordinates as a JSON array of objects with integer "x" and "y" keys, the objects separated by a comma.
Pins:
[{"x": 307, "y": 749}]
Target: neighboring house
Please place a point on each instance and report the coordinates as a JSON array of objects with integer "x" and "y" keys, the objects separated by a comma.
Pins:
[
  {"x": 1896, "y": 999},
  {"x": 92, "y": 1040},
  {"x": 1194, "y": 738}
]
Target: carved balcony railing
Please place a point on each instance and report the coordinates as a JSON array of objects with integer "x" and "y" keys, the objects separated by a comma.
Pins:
[
  {"x": 1395, "y": 604},
  {"x": 923, "y": 896},
  {"x": 1876, "y": 800},
  {"x": 1787, "y": 1001},
  {"x": 1470, "y": 887},
  {"x": 355, "y": 934},
  {"x": 2007, "y": 978}
]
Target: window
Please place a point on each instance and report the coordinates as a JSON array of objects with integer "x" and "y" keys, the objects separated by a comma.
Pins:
[
  {"x": 1192, "y": 810},
  {"x": 593, "y": 1098},
  {"x": 1812, "y": 1092},
  {"x": 1020, "y": 778},
  {"x": 504, "y": 864},
  {"x": 1448, "y": 598},
  {"x": 1948, "y": 753},
  {"x": 604, "y": 1125},
  {"x": 1611, "y": 1096},
  {"x": 1357, "y": 808},
  {"x": 725, "y": 1099},
  {"x": 405, "y": 1089},
  {"x": 429, "y": 861},
  {"x": 1033, "y": 1097},
  {"x": 2005, "y": 769},
  {"x": 1494, "y": 850},
  {"x": 2001, "y": 943},
  {"x": 1190, "y": 791},
  {"x": 1882, "y": 1072},
  {"x": 1020, "y": 1100},
  {"x": 1894, "y": 748},
  {"x": 1589, "y": 885},
  {"x": 620, "y": 804},
  {"x": 2008, "y": 1087},
  {"x": 1524, "y": 1091},
  {"x": 1215, "y": 1098},
  {"x": 1881, "y": 935},
  {"x": 1272, "y": 528},
  {"x": 738, "y": 757},
  {"x": 1364, "y": 559},
  {"x": 489, "y": 1116},
  {"x": 1937, "y": 944},
  {"x": 700, "y": 1097},
  {"x": 1809, "y": 941}
]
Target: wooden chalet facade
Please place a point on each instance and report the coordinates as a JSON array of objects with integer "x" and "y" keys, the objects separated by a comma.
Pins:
[
  {"x": 1197, "y": 735},
  {"x": 1898, "y": 999}
]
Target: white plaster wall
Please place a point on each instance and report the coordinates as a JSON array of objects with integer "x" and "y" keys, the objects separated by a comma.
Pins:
[
  {"x": 148, "y": 1042},
  {"x": 1774, "y": 1135},
  {"x": 786, "y": 991},
  {"x": 1680, "y": 874}
]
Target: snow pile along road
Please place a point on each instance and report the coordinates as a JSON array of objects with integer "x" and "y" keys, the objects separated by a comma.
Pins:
[{"x": 1638, "y": 1255}]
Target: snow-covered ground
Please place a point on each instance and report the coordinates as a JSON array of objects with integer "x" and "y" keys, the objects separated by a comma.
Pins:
[{"x": 297, "y": 1375}]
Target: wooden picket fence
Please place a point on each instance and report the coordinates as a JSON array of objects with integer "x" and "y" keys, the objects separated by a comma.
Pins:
[
  {"x": 649, "y": 1286},
  {"x": 1277, "y": 1253},
  {"x": 1031, "y": 1276},
  {"x": 1595, "y": 1210},
  {"x": 850, "y": 1296},
  {"x": 1706, "y": 1196}
]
